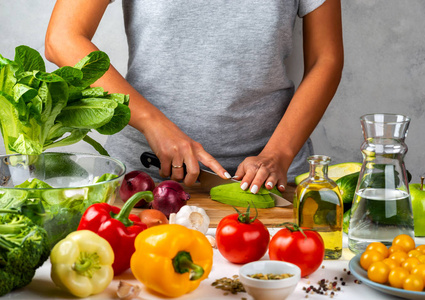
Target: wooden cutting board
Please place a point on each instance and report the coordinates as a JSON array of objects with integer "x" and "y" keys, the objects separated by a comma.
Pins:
[{"x": 216, "y": 210}]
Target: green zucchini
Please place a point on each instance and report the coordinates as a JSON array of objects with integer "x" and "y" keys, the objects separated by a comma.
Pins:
[
  {"x": 347, "y": 187},
  {"x": 232, "y": 194}
]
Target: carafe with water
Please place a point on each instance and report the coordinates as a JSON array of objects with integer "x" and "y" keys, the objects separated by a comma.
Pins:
[{"x": 381, "y": 207}]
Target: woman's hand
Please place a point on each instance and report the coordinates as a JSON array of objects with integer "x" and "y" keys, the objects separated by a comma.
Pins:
[
  {"x": 174, "y": 148},
  {"x": 267, "y": 169}
]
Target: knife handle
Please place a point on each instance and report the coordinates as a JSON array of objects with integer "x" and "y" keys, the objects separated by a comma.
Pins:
[{"x": 150, "y": 159}]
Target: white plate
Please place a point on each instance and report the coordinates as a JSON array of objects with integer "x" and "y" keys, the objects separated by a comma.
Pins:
[{"x": 361, "y": 274}]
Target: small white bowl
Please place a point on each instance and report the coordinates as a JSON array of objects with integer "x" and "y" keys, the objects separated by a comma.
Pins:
[{"x": 261, "y": 289}]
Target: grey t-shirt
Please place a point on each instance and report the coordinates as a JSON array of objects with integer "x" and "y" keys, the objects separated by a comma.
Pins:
[{"x": 214, "y": 68}]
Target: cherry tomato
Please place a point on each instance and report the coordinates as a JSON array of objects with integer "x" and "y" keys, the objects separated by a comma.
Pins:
[
  {"x": 419, "y": 270},
  {"x": 421, "y": 248},
  {"x": 378, "y": 272},
  {"x": 422, "y": 258},
  {"x": 305, "y": 248},
  {"x": 380, "y": 247},
  {"x": 368, "y": 257},
  {"x": 397, "y": 276},
  {"x": 242, "y": 239},
  {"x": 391, "y": 263},
  {"x": 395, "y": 248},
  {"x": 410, "y": 263},
  {"x": 404, "y": 241},
  {"x": 414, "y": 253},
  {"x": 399, "y": 256},
  {"x": 413, "y": 283}
]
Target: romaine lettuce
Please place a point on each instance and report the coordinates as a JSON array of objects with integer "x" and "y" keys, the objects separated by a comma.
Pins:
[{"x": 41, "y": 110}]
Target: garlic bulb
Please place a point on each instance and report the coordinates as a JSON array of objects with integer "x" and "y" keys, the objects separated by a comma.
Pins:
[{"x": 192, "y": 217}]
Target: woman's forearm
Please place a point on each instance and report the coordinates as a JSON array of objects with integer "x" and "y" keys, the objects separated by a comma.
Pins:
[
  {"x": 306, "y": 109},
  {"x": 323, "y": 64}
]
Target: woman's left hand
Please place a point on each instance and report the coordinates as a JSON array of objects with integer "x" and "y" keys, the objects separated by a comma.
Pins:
[{"x": 265, "y": 169}]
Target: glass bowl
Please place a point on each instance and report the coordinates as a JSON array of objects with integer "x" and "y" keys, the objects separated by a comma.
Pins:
[{"x": 54, "y": 189}]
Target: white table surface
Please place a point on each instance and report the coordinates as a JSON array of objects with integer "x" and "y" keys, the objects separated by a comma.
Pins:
[{"x": 42, "y": 286}]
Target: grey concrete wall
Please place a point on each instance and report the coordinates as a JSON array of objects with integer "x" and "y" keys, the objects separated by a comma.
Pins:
[{"x": 384, "y": 67}]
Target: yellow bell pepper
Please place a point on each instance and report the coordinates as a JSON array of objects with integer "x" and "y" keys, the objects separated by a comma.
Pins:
[
  {"x": 171, "y": 259},
  {"x": 82, "y": 263}
]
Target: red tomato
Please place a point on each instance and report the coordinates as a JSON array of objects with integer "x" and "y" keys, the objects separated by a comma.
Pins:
[
  {"x": 241, "y": 241},
  {"x": 290, "y": 245}
]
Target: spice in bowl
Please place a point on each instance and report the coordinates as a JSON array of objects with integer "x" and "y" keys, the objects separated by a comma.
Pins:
[{"x": 270, "y": 276}]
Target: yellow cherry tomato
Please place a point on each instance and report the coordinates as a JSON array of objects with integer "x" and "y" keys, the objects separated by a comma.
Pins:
[
  {"x": 419, "y": 270},
  {"x": 404, "y": 241},
  {"x": 378, "y": 272},
  {"x": 380, "y": 247},
  {"x": 421, "y": 248},
  {"x": 422, "y": 258},
  {"x": 370, "y": 256},
  {"x": 414, "y": 253},
  {"x": 391, "y": 263},
  {"x": 395, "y": 248},
  {"x": 410, "y": 263},
  {"x": 397, "y": 276},
  {"x": 399, "y": 256},
  {"x": 413, "y": 283}
]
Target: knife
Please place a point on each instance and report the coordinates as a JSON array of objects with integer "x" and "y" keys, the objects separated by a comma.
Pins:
[{"x": 207, "y": 178}]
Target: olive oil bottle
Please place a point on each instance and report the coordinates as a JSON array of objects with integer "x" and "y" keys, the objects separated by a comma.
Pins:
[{"x": 318, "y": 205}]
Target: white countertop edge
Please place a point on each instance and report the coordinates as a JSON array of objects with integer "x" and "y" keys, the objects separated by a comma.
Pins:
[{"x": 42, "y": 286}]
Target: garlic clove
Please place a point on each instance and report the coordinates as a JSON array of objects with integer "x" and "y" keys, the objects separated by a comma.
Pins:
[
  {"x": 127, "y": 290},
  {"x": 196, "y": 220},
  {"x": 172, "y": 218},
  {"x": 212, "y": 241}
]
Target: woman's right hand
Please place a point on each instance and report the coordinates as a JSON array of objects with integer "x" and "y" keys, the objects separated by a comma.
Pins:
[{"x": 174, "y": 148}]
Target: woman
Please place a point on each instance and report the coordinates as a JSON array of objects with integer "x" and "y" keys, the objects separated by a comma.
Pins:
[{"x": 208, "y": 85}]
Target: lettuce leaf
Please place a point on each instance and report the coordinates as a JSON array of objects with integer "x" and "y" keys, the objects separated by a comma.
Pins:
[{"x": 42, "y": 110}]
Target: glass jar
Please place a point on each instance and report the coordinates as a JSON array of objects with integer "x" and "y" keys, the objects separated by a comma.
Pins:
[
  {"x": 381, "y": 207},
  {"x": 318, "y": 205}
]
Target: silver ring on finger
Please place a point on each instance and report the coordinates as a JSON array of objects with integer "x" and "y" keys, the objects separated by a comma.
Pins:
[{"x": 177, "y": 167}]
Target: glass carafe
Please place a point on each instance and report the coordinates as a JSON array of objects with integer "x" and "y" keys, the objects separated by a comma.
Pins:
[
  {"x": 318, "y": 205},
  {"x": 381, "y": 207}
]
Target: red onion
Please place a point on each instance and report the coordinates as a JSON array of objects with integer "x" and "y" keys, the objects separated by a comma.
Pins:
[
  {"x": 136, "y": 181},
  {"x": 169, "y": 196}
]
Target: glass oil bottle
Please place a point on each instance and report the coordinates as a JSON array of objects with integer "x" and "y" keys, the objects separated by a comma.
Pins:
[{"x": 318, "y": 205}]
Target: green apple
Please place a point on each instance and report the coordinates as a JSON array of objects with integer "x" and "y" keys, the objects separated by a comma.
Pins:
[{"x": 417, "y": 194}]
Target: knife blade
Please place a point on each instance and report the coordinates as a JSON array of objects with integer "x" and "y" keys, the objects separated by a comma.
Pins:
[{"x": 207, "y": 179}]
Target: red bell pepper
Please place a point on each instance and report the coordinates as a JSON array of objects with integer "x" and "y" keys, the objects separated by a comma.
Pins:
[{"x": 117, "y": 226}]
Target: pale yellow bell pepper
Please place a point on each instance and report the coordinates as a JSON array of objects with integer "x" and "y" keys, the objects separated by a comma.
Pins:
[{"x": 82, "y": 263}]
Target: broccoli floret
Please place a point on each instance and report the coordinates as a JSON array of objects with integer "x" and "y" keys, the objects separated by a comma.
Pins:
[{"x": 23, "y": 248}]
